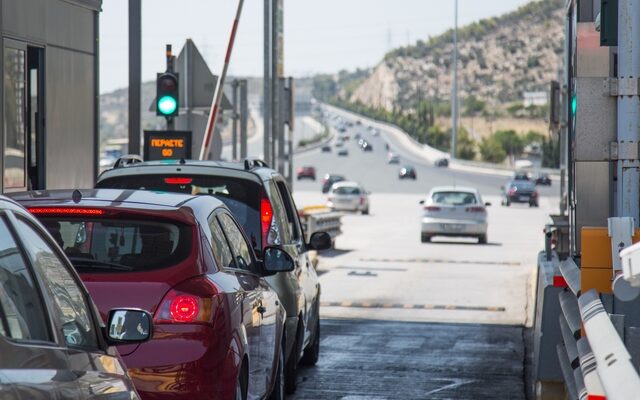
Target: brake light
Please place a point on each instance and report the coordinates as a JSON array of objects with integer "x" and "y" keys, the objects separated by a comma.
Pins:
[
  {"x": 66, "y": 211},
  {"x": 361, "y": 200},
  {"x": 266, "y": 216},
  {"x": 189, "y": 302},
  {"x": 475, "y": 209},
  {"x": 178, "y": 181},
  {"x": 559, "y": 281},
  {"x": 432, "y": 208},
  {"x": 512, "y": 191}
]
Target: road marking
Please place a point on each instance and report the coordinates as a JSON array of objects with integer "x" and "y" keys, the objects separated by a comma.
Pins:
[
  {"x": 365, "y": 273},
  {"x": 440, "y": 261},
  {"x": 448, "y": 307},
  {"x": 457, "y": 383},
  {"x": 373, "y": 269}
]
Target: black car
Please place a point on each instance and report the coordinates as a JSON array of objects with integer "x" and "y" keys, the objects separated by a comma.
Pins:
[
  {"x": 326, "y": 149},
  {"x": 542, "y": 178},
  {"x": 366, "y": 146},
  {"x": 329, "y": 180},
  {"x": 52, "y": 340},
  {"x": 520, "y": 191},
  {"x": 408, "y": 172},
  {"x": 442, "y": 162},
  {"x": 521, "y": 176},
  {"x": 261, "y": 201}
]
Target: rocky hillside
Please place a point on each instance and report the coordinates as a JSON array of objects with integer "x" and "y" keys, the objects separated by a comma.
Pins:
[{"x": 499, "y": 59}]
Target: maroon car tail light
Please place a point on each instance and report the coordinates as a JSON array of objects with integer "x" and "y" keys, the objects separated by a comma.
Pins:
[
  {"x": 432, "y": 208},
  {"x": 178, "y": 181},
  {"x": 361, "y": 201},
  {"x": 476, "y": 209},
  {"x": 191, "y": 302},
  {"x": 66, "y": 211},
  {"x": 266, "y": 217}
]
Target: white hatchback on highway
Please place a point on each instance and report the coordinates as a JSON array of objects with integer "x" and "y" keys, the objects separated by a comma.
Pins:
[
  {"x": 348, "y": 196},
  {"x": 454, "y": 211}
]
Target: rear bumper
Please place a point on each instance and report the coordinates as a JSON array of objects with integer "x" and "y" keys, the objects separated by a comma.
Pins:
[
  {"x": 185, "y": 361},
  {"x": 454, "y": 227},
  {"x": 346, "y": 206},
  {"x": 522, "y": 199}
]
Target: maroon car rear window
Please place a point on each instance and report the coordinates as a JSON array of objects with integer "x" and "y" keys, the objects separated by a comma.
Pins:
[
  {"x": 120, "y": 245},
  {"x": 242, "y": 196}
]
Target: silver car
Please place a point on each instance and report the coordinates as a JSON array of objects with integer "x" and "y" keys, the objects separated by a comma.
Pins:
[
  {"x": 454, "y": 211},
  {"x": 348, "y": 196}
]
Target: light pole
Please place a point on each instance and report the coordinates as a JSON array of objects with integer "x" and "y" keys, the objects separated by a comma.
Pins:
[{"x": 454, "y": 86}]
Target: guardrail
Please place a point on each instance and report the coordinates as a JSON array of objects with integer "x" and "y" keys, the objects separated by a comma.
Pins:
[
  {"x": 589, "y": 339},
  {"x": 321, "y": 219}
]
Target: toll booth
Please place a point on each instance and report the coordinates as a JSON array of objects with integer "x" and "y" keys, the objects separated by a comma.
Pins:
[{"x": 49, "y": 64}]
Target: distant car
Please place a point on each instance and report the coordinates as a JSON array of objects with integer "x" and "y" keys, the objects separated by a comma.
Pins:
[
  {"x": 408, "y": 172},
  {"x": 442, "y": 162},
  {"x": 357, "y": 136},
  {"x": 366, "y": 146},
  {"x": 521, "y": 176},
  {"x": 358, "y": 122},
  {"x": 542, "y": 178},
  {"x": 329, "y": 180},
  {"x": 454, "y": 211},
  {"x": 375, "y": 132},
  {"x": 520, "y": 191},
  {"x": 343, "y": 153},
  {"x": 348, "y": 196},
  {"x": 339, "y": 143},
  {"x": 393, "y": 159},
  {"x": 326, "y": 148},
  {"x": 306, "y": 172},
  {"x": 53, "y": 342}
]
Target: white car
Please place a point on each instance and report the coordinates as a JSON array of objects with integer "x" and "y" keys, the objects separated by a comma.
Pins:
[
  {"x": 454, "y": 212},
  {"x": 393, "y": 158},
  {"x": 348, "y": 196}
]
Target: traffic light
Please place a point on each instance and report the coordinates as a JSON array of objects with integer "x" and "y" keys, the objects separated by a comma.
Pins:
[{"x": 167, "y": 99}]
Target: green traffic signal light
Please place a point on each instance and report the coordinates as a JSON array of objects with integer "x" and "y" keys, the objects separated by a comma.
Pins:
[
  {"x": 574, "y": 104},
  {"x": 167, "y": 105}
]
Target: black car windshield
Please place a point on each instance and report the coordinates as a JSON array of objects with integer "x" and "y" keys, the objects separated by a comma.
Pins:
[
  {"x": 120, "y": 245},
  {"x": 523, "y": 185},
  {"x": 240, "y": 195}
]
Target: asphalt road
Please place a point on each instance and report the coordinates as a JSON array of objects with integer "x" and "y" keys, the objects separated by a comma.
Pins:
[{"x": 403, "y": 319}]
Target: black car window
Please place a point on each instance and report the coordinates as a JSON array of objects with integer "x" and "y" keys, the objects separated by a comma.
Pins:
[
  {"x": 120, "y": 245},
  {"x": 241, "y": 196},
  {"x": 22, "y": 315},
  {"x": 69, "y": 304},
  {"x": 241, "y": 249},
  {"x": 220, "y": 247},
  {"x": 290, "y": 209}
]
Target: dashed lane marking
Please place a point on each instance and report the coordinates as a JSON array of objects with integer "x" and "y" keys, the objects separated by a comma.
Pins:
[
  {"x": 349, "y": 304},
  {"x": 440, "y": 261}
]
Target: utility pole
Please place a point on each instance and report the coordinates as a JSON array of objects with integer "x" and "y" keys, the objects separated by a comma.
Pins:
[
  {"x": 628, "y": 183},
  {"x": 454, "y": 89},
  {"x": 266, "y": 98},
  {"x": 244, "y": 117},
  {"x": 135, "y": 62},
  {"x": 236, "y": 117},
  {"x": 275, "y": 120}
]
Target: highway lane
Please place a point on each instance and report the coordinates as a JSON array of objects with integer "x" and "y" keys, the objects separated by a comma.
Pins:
[
  {"x": 405, "y": 319},
  {"x": 372, "y": 171}
]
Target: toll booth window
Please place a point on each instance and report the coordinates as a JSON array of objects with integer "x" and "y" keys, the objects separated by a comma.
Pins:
[{"x": 14, "y": 175}]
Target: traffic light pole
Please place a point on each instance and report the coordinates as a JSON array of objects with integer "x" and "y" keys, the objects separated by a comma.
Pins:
[
  {"x": 266, "y": 98},
  {"x": 135, "y": 55}
]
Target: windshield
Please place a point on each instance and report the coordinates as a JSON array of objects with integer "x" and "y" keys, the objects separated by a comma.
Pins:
[
  {"x": 524, "y": 185},
  {"x": 237, "y": 194},
  {"x": 454, "y": 198},
  {"x": 120, "y": 245},
  {"x": 347, "y": 190}
]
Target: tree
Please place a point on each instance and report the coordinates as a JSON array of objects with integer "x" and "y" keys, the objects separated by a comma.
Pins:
[
  {"x": 510, "y": 142},
  {"x": 466, "y": 146},
  {"x": 472, "y": 106},
  {"x": 491, "y": 150},
  {"x": 438, "y": 138}
]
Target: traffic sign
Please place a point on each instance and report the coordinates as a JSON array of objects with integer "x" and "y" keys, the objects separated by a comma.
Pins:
[{"x": 167, "y": 145}]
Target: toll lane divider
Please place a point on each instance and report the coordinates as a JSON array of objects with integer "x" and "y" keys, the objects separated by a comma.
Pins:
[{"x": 349, "y": 304}]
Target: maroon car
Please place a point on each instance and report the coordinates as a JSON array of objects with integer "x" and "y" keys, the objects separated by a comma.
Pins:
[
  {"x": 306, "y": 172},
  {"x": 217, "y": 323}
]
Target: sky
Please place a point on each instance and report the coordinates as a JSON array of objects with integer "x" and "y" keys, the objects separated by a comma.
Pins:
[{"x": 321, "y": 36}]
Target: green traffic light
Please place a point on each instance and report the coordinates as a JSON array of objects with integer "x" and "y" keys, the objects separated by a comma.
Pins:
[
  {"x": 167, "y": 105},
  {"x": 574, "y": 104}
]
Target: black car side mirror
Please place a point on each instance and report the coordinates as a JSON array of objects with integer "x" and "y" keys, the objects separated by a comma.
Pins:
[
  {"x": 421, "y": 201},
  {"x": 275, "y": 260},
  {"x": 487, "y": 204},
  {"x": 128, "y": 326},
  {"x": 320, "y": 241}
]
